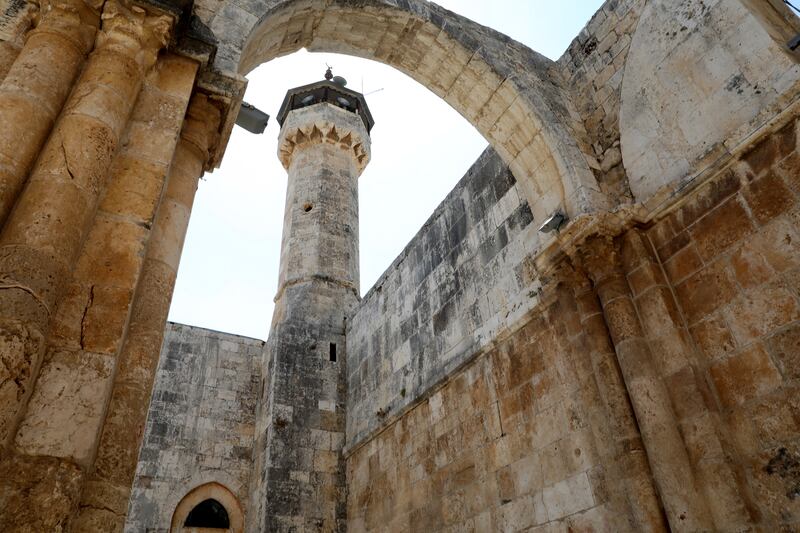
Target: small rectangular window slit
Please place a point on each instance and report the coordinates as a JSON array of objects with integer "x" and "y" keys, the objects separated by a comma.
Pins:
[{"x": 333, "y": 352}]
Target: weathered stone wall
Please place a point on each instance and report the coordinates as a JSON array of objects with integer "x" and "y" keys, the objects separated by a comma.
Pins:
[
  {"x": 702, "y": 76},
  {"x": 664, "y": 119},
  {"x": 702, "y": 316},
  {"x": 516, "y": 440},
  {"x": 593, "y": 67},
  {"x": 460, "y": 280},
  {"x": 200, "y": 425},
  {"x": 730, "y": 255}
]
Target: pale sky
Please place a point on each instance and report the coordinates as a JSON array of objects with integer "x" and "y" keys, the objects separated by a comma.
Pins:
[{"x": 421, "y": 148}]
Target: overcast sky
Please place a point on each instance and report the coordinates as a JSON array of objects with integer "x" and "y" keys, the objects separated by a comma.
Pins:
[{"x": 421, "y": 147}]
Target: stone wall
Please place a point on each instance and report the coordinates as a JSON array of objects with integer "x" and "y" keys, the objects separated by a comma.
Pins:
[
  {"x": 593, "y": 66},
  {"x": 516, "y": 440},
  {"x": 200, "y": 425},
  {"x": 731, "y": 257},
  {"x": 698, "y": 336},
  {"x": 702, "y": 76},
  {"x": 447, "y": 295},
  {"x": 663, "y": 119}
]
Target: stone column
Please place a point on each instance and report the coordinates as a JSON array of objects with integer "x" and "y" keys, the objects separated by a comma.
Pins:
[
  {"x": 675, "y": 364},
  {"x": 15, "y": 21},
  {"x": 39, "y": 80},
  {"x": 628, "y": 459},
  {"x": 685, "y": 505},
  {"x": 104, "y": 501},
  {"x": 41, "y": 240}
]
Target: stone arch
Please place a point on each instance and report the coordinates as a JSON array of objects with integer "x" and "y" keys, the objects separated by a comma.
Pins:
[
  {"x": 671, "y": 129},
  {"x": 201, "y": 493},
  {"x": 512, "y": 95}
]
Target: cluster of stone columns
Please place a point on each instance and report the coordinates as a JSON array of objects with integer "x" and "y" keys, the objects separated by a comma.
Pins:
[
  {"x": 105, "y": 498},
  {"x": 99, "y": 164},
  {"x": 645, "y": 369},
  {"x": 37, "y": 84},
  {"x": 624, "y": 452}
]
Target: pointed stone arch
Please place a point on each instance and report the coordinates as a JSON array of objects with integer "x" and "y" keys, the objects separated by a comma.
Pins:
[
  {"x": 198, "y": 495},
  {"x": 513, "y": 96}
]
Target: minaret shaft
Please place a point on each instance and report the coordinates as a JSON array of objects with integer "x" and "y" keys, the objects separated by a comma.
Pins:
[
  {"x": 320, "y": 225},
  {"x": 299, "y": 468}
]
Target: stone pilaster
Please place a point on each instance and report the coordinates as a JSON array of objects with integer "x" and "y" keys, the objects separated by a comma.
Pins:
[
  {"x": 36, "y": 85},
  {"x": 626, "y": 458},
  {"x": 41, "y": 241},
  {"x": 105, "y": 496},
  {"x": 684, "y": 504},
  {"x": 674, "y": 363}
]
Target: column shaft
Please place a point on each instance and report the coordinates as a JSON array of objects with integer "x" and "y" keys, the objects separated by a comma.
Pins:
[
  {"x": 41, "y": 241},
  {"x": 684, "y": 504},
  {"x": 629, "y": 458},
  {"x": 677, "y": 366},
  {"x": 14, "y": 25},
  {"x": 104, "y": 501},
  {"x": 36, "y": 85}
]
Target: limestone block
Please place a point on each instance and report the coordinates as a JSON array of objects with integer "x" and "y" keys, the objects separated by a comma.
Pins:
[
  {"x": 63, "y": 417},
  {"x": 747, "y": 375},
  {"x": 37, "y": 483},
  {"x": 689, "y": 87}
]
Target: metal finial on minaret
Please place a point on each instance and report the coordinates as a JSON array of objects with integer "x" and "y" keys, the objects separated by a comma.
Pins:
[{"x": 329, "y": 73}]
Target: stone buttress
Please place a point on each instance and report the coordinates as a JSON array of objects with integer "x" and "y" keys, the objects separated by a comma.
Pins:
[{"x": 300, "y": 478}]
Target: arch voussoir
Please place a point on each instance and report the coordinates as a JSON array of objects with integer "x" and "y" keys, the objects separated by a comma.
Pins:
[{"x": 505, "y": 90}]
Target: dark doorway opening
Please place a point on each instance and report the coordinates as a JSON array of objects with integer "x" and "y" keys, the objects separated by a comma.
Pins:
[{"x": 209, "y": 514}]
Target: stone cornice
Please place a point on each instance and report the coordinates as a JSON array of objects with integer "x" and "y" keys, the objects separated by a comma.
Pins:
[{"x": 324, "y": 124}]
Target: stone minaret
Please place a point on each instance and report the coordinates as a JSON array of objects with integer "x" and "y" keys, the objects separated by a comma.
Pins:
[{"x": 324, "y": 144}]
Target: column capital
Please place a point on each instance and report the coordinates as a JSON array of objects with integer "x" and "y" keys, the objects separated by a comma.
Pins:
[
  {"x": 324, "y": 124},
  {"x": 570, "y": 275},
  {"x": 599, "y": 256},
  {"x": 75, "y": 21},
  {"x": 201, "y": 126},
  {"x": 133, "y": 32}
]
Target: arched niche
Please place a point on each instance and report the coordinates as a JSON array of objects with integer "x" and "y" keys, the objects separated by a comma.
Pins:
[
  {"x": 511, "y": 94},
  {"x": 199, "y": 502},
  {"x": 701, "y": 76}
]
